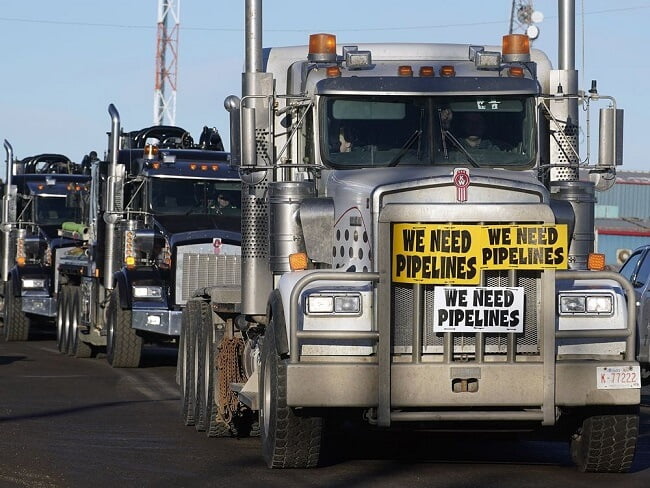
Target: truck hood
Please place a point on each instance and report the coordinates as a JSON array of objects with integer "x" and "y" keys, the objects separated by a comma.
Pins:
[
  {"x": 353, "y": 184},
  {"x": 181, "y": 229}
]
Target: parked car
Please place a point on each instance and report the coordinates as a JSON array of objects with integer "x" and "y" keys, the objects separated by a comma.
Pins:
[{"x": 637, "y": 270}]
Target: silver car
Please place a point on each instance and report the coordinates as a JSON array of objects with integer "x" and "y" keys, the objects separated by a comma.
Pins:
[{"x": 637, "y": 270}]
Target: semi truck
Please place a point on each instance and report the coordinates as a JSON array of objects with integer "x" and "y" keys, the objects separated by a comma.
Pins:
[
  {"x": 38, "y": 197},
  {"x": 417, "y": 251},
  {"x": 157, "y": 197}
]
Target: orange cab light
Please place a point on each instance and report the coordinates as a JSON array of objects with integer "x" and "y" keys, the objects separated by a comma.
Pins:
[
  {"x": 155, "y": 165},
  {"x": 596, "y": 261},
  {"x": 322, "y": 44},
  {"x": 333, "y": 71},
  {"x": 20, "y": 261},
  {"x": 215, "y": 167},
  {"x": 516, "y": 71},
  {"x": 204, "y": 167},
  {"x": 130, "y": 262},
  {"x": 405, "y": 70},
  {"x": 515, "y": 44},
  {"x": 193, "y": 166},
  {"x": 298, "y": 261},
  {"x": 40, "y": 187},
  {"x": 150, "y": 151},
  {"x": 426, "y": 71},
  {"x": 447, "y": 71}
]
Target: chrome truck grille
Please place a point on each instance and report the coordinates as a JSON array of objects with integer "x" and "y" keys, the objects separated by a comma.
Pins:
[
  {"x": 204, "y": 270},
  {"x": 464, "y": 344}
]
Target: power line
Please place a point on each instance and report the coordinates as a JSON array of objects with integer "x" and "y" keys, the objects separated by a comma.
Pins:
[{"x": 365, "y": 29}]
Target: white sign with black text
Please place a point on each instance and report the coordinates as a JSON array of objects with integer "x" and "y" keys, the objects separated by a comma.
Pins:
[{"x": 478, "y": 309}]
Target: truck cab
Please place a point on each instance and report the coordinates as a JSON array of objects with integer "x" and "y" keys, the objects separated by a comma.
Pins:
[
  {"x": 154, "y": 207},
  {"x": 42, "y": 195}
]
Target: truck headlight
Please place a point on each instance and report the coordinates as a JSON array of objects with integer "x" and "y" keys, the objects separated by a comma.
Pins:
[
  {"x": 349, "y": 304},
  {"x": 33, "y": 282},
  {"x": 147, "y": 291},
  {"x": 571, "y": 304}
]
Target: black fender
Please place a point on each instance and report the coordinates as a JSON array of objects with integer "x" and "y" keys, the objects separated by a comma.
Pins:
[
  {"x": 17, "y": 273},
  {"x": 275, "y": 309},
  {"x": 125, "y": 277}
]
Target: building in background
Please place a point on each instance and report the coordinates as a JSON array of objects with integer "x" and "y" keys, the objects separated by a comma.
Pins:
[{"x": 623, "y": 216}]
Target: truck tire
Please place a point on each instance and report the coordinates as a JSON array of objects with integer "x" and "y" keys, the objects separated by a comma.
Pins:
[
  {"x": 606, "y": 443},
  {"x": 199, "y": 368},
  {"x": 215, "y": 426},
  {"x": 61, "y": 323},
  {"x": 16, "y": 323},
  {"x": 186, "y": 366},
  {"x": 123, "y": 344},
  {"x": 76, "y": 346},
  {"x": 288, "y": 440}
]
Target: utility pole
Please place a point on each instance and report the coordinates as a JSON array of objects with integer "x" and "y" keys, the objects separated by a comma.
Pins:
[{"x": 164, "y": 103}]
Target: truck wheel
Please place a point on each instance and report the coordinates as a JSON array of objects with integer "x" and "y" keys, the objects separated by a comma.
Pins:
[
  {"x": 199, "y": 368},
  {"x": 16, "y": 323},
  {"x": 61, "y": 331},
  {"x": 76, "y": 347},
  {"x": 215, "y": 426},
  {"x": 186, "y": 365},
  {"x": 123, "y": 344},
  {"x": 288, "y": 440},
  {"x": 606, "y": 443}
]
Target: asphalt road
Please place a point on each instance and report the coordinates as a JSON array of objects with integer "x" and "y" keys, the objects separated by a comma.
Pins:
[{"x": 67, "y": 422}]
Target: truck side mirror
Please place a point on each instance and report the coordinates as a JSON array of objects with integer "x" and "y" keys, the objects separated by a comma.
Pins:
[
  {"x": 232, "y": 104},
  {"x": 610, "y": 147}
]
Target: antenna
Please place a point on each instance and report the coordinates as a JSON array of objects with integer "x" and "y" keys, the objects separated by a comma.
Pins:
[
  {"x": 524, "y": 15},
  {"x": 164, "y": 102}
]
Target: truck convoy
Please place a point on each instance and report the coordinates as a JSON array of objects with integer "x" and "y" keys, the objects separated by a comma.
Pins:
[
  {"x": 159, "y": 200},
  {"x": 38, "y": 197},
  {"x": 417, "y": 251}
]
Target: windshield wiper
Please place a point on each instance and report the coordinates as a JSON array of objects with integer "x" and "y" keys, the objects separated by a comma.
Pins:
[
  {"x": 404, "y": 149},
  {"x": 448, "y": 135}
]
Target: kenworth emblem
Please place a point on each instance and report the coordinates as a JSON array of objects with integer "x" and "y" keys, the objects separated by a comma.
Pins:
[{"x": 461, "y": 182}]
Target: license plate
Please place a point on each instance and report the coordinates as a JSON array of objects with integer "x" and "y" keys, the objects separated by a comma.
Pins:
[
  {"x": 618, "y": 377},
  {"x": 472, "y": 309}
]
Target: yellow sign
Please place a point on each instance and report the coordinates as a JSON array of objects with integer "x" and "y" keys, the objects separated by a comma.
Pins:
[{"x": 456, "y": 254}]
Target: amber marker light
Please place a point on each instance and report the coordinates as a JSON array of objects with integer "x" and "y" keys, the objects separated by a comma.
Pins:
[
  {"x": 516, "y": 71},
  {"x": 215, "y": 167},
  {"x": 204, "y": 167},
  {"x": 20, "y": 261},
  {"x": 155, "y": 165},
  {"x": 298, "y": 261},
  {"x": 130, "y": 262},
  {"x": 596, "y": 261},
  {"x": 426, "y": 71},
  {"x": 193, "y": 166},
  {"x": 447, "y": 71},
  {"x": 405, "y": 70},
  {"x": 333, "y": 72}
]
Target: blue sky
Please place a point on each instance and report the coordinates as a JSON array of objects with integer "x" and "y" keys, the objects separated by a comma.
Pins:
[{"x": 63, "y": 62}]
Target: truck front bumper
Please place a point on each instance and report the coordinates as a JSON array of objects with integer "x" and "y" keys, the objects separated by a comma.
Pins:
[
  {"x": 165, "y": 322},
  {"x": 310, "y": 384},
  {"x": 39, "y": 305}
]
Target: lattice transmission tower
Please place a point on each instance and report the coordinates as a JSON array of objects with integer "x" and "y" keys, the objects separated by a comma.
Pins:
[{"x": 164, "y": 102}]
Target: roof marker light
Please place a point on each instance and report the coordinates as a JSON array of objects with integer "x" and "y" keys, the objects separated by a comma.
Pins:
[
  {"x": 193, "y": 166},
  {"x": 204, "y": 167},
  {"x": 447, "y": 71},
  {"x": 516, "y": 71},
  {"x": 405, "y": 70},
  {"x": 427, "y": 71},
  {"x": 322, "y": 48},
  {"x": 333, "y": 72}
]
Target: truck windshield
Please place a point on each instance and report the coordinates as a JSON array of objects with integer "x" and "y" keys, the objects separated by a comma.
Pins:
[
  {"x": 171, "y": 196},
  {"x": 478, "y": 130},
  {"x": 54, "y": 210}
]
